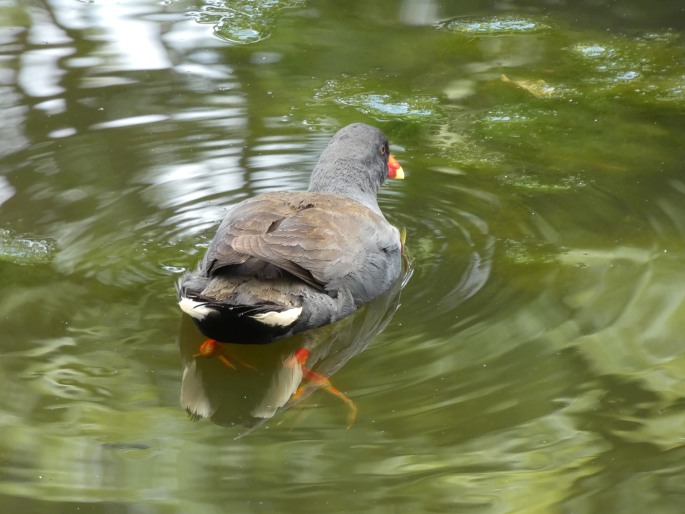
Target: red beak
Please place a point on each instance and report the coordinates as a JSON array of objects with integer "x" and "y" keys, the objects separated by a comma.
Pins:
[{"x": 394, "y": 169}]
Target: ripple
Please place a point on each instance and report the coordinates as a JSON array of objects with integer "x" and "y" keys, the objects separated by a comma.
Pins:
[
  {"x": 451, "y": 247},
  {"x": 131, "y": 121},
  {"x": 554, "y": 304},
  {"x": 127, "y": 237}
]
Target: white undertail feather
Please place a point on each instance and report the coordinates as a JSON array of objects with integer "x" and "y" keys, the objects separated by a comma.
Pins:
[
  {"x": 278, "y": 319},
  {"x": 197, "y": 310}
]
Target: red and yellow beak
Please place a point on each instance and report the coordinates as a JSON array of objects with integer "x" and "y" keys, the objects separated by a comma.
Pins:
[{"x": 394, "y": 169}]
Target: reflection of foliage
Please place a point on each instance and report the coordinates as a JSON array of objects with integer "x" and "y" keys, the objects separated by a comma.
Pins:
[
  {"x": 543, "y": 113},
  {"x": 243, "y": 21},
  {"x": 589, "y": 66}
]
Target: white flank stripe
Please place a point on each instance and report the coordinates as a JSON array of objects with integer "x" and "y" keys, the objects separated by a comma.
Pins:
[
  {"x": 197, "y": 310},
  {"x": 279, "y": 319}
]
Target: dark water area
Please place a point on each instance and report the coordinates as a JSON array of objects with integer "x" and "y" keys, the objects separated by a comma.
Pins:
[{"x": 534, "y": 362}]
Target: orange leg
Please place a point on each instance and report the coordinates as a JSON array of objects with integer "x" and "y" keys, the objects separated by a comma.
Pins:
[
  {"x": 318, "y": 380},
  {"x": 212, "y": 348}
]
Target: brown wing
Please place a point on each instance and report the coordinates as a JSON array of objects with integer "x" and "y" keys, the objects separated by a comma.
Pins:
[
  {"x": 254, "y": 216},
  {"x": 322, "y": 239}
]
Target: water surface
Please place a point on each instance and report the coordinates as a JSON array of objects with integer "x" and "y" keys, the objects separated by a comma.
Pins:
[{"x": 533, "y": 363}]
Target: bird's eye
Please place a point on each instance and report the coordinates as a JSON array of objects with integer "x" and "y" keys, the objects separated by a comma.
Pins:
[{"x": 383, "y": 150}]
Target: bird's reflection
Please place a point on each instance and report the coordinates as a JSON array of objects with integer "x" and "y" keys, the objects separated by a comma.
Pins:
[{"x": 268, "y": 379}]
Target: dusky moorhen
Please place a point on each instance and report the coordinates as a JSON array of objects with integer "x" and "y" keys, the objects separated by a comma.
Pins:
[{"x": 285, "y": 262}]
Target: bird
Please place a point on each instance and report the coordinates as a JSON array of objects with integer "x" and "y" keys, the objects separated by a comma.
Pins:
[{"x": 282, "y": 263}]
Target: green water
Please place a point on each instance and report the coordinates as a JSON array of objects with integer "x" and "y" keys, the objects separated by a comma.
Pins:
[{"x": 534, "y": 361}]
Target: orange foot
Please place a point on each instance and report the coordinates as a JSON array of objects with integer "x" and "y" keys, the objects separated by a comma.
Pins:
[
  {"x": 212, "y": 348},
  {"x": 317, "y": 380}
]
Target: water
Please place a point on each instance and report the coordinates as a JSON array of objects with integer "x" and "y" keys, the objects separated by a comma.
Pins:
[{"x": 534, "y": 361}]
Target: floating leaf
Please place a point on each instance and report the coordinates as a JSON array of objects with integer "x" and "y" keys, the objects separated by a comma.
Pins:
[{"x": 538, "y": 88}]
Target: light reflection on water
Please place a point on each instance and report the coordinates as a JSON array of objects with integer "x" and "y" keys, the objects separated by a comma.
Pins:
[{"x": 534, "y": 363}]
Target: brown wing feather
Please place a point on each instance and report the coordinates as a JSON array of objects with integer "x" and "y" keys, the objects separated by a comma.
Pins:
[
  {"x": 251, "y": 217},
  {"x": 313, "y": 236}
]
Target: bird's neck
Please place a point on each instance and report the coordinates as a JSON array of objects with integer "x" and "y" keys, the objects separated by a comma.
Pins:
[{"x": 341, "y": 178}]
